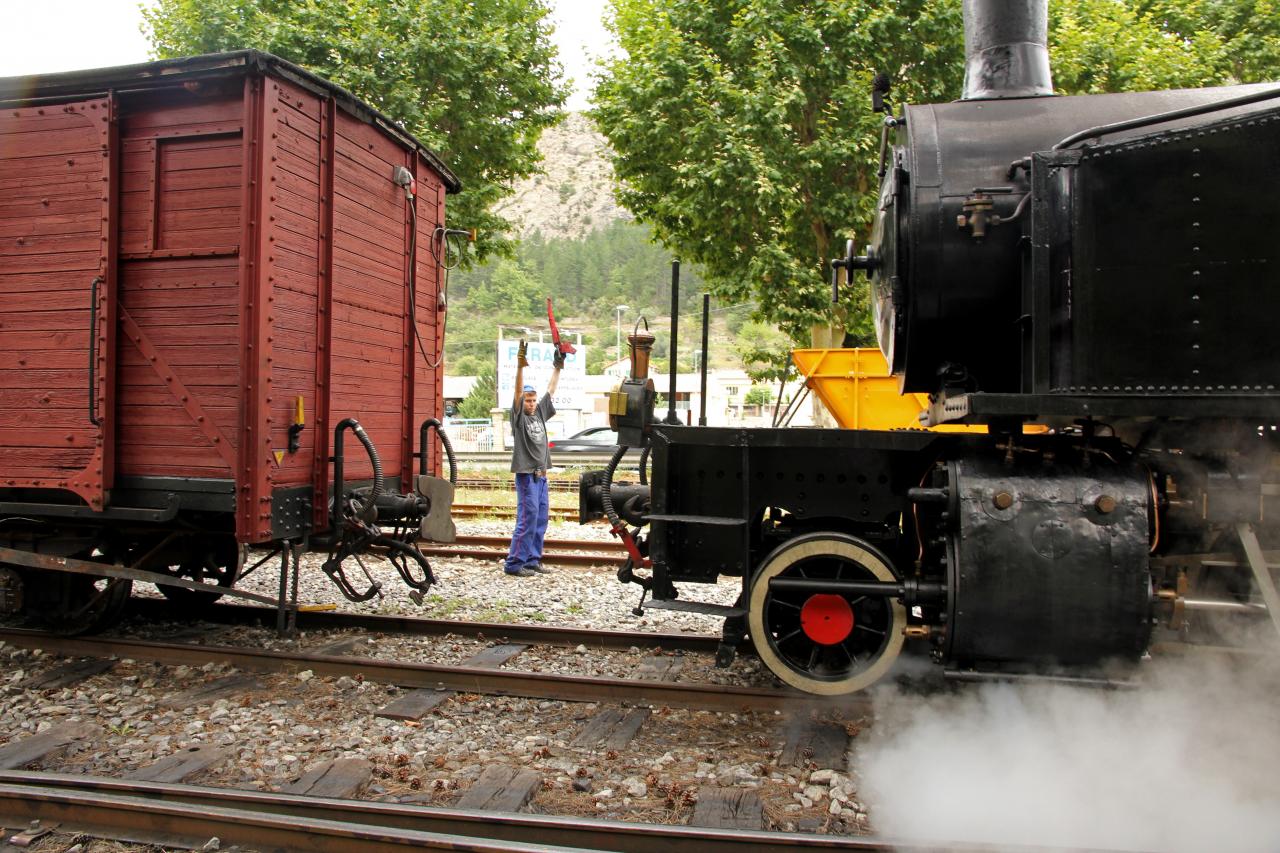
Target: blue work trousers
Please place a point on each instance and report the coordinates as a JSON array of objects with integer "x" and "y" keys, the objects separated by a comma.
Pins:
[{"x": 531, "y": 521}]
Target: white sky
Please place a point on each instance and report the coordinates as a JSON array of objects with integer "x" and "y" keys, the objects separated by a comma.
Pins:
[{"x": 39, "y": 36}]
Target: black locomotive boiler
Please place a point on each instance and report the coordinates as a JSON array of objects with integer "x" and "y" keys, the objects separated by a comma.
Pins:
[{"x": 1105, "y": 265}]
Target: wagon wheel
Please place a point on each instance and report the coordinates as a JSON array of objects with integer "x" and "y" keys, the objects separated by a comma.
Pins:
[
  {"x": 212, "y": 561},
  {"x": 825, "y": 643},
  {"x": 80, "y": 604}
]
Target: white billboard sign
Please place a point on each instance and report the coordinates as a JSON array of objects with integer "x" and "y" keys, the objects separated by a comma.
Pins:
[{"x": 571, "y": 390}]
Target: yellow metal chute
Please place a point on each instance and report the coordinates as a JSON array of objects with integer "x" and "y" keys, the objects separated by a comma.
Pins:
[{"x": 858, "y": 391}]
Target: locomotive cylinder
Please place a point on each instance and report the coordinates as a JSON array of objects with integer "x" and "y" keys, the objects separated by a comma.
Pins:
[{"x": 1047, "y": 577}]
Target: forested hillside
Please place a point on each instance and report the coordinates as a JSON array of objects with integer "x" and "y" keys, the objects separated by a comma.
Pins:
[
  {"x": 579, "y": 248},
  {"x": 587, "y": 277}
]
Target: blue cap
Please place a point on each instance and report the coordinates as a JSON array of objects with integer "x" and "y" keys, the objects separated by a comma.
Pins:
[{"x": 529, "y": 389}]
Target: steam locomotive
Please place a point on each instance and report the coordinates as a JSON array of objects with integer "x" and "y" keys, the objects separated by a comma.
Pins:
[
  {"x": 1104, "y": 265},
  {"x": 212, "y": 269}
]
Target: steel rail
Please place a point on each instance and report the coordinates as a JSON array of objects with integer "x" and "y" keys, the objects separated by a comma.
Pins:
[
  {"x": 148, "y": 820},
  {"x": 559, "y": 459},
  {"x": 237, "y": 614},
  {"x": 501, "y": 484},
  {"x": 554, "y": 558},
  {"x": 606, "y": 545},
  {"x": 489, "y": 682},
  {"x": 486, "y": 511},
  {"x": 505, "y": 828}
]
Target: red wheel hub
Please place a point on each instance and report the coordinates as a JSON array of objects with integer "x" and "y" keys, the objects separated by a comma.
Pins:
[{"x": 827, "y": 619}]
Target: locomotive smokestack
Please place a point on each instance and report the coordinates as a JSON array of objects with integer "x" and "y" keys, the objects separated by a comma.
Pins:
[{"x": 1006, "y": 48}]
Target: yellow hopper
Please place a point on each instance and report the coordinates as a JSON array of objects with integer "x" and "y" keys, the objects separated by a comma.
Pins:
[{"x": 856, "y": 388}]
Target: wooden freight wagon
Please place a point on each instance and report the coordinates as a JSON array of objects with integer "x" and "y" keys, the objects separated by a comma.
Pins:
[{"x": 206, "y": 264}]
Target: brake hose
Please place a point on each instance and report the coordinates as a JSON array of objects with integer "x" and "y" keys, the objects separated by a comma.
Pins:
[
  {"x": 369, "y": 512},
  {"x": 606, "y": 499},
  {"x": 444, "y": 440}
]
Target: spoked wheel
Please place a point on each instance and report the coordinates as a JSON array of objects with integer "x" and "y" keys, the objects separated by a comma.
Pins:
[
  {"x": 826, "y": 642},
  {"x": 79, "y": 604},
  {"x": 210, "y": 560}
]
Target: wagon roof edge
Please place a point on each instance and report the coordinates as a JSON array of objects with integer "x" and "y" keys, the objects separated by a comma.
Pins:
[{"x": 31, "y": 88}]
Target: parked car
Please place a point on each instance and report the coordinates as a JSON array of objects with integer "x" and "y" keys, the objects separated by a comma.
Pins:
[{"x": 598, "y": 439}]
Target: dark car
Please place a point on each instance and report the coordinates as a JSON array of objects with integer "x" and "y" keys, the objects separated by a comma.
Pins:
[{"x": 599, "y": 439}]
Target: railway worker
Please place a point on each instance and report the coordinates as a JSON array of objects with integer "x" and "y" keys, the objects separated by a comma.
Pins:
[{"x": 530, "y": 459}]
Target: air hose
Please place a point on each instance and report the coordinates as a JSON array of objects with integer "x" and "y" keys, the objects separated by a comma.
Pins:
[
  {"x": 444, "y": 440},
  {"x": 606, "y": 498},
  {"x": 369, "y": 511}
]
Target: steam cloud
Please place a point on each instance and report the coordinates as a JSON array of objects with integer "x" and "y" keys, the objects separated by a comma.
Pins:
[{"x": 1189, "y": 762}]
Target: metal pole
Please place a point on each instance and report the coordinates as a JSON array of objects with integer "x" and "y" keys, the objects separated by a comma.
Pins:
[
  {"x": 617, "y": 353},
  {"x": 706, "y": 326},
  {"x": 782, "y": 386},
  {"x": 674, "y": 350},
  {"x": 292, "y": 556}
]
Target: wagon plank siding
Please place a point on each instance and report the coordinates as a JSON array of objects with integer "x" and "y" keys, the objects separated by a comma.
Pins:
[
  {"x": 258, "y": 253},
  {"x": 428, "y": 402},
  {"x": 293, "y": 225},
  {"x": 57, "y": 164},
  {"x": 183, "y": 153}
]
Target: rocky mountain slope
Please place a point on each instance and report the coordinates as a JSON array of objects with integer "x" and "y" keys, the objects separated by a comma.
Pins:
[{"x": 574, "y": 193}]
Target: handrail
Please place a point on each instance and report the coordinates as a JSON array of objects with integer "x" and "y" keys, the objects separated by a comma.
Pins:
[{"x": 93, "y": 351}]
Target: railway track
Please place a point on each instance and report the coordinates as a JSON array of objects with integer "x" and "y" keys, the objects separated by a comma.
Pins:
[
  {"x": 572, "y": 459},
  {"x": 507, "y": 512},
  {"x": 464, "y": 679},
  {"x": 332, "y": 620},
  {"x": 560, "y": 552},
  {"x": 189, "y": 815},
  {"x": 507, "y": 484}
]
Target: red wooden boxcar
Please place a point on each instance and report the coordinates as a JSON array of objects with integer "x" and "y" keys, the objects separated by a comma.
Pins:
[{"x": 205, "y": 265}]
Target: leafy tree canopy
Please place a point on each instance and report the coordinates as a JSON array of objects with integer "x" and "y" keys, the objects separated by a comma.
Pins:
[
  {"x": 742, "y": 130},
  {"x": 476, "y": 80},
  {"x": 588, "y": 277},
  {"x": 481, "y": 398}
]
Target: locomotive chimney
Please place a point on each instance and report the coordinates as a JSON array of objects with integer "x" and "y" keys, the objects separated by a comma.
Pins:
[{"x": 1006, "y": 49}]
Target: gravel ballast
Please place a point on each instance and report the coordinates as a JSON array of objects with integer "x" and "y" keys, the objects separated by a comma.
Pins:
[{"x": 291, "y": 723}]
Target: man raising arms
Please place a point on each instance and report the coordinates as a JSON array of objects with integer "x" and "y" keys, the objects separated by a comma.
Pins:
[{"x": 530, "y": 459}]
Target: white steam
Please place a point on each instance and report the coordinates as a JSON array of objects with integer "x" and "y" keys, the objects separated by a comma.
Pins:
[{"x": 1189, "y": 762}]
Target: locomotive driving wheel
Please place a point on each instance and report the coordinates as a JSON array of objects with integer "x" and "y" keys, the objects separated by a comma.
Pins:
[{"x": 827, "y": 643}]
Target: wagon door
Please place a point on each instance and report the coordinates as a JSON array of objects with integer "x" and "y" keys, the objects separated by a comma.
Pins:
[{"x": 57, "y": 285}]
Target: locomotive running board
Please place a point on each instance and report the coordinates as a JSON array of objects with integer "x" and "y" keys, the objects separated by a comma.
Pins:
[
  {"x": 703, "y": 607},
  {"x": 48, "y": 562},
  {"x": 1099, "y": 682}
]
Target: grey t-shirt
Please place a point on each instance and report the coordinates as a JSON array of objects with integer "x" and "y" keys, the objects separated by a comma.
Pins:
[{"x": 529, "y": 436}]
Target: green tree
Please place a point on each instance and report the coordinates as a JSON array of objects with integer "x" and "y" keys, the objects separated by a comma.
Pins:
[
  {"x": 510, "y": 292},
  {"x": 742, "y": 131},
  {"x": 482, "y": 397},
  {"x": 759, "y": 395},
  {"x": 587, "y": 276},
  {"x": 1108, "y": 46},
  {"x": 1248, "y": 30},
  {"x": 476, "y": 80},
  {"x": 743, "y": 135},
  {"x": 763, "y": 349}
]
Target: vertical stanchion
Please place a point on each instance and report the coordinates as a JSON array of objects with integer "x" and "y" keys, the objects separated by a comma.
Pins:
[
  {"x": 674, "y": 351},
  {"x": 295, "y": 557},
  {"x": 706, "y": 325},
  {"x": 282, "y": 601}
]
